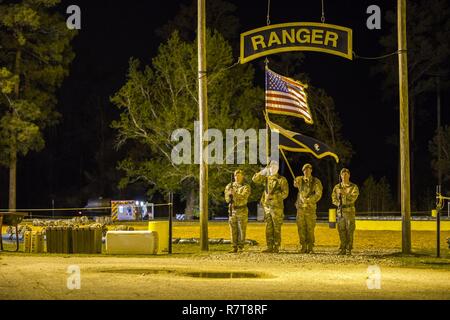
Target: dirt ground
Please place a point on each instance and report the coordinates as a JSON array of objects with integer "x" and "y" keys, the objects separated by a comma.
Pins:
[{"x": 191, "y": 274}]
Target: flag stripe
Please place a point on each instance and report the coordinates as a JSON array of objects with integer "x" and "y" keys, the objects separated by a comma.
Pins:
[
  {"x": 292, "y": 82},
  {"x": 290, "y": 109},
  {"x": 289, "y": 95},
  {"x": 296, "y": 86},
  {"x": 287, "y": 98},
  {"x": 299, "y": 94},
  {"x": 284, "y": 111},
  {"x": 287, "y": 105},
  {"x": 282, "y": 103}
]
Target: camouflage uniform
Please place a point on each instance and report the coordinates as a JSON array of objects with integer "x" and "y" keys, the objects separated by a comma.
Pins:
[
  {"x": 276, "y": 190},
  {"x": 309, "y": 193},
  {"x": 346, "y": 219},
  {"x": 239, "y": 214},
  {"x": 1, "y": 235}
]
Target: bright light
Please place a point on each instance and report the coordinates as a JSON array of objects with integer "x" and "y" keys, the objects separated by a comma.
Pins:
[{"x": 137, "y": 203}]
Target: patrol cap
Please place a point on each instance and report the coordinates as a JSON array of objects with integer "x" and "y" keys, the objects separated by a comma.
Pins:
[
  {"x": 306, "y": 165},
  {"x": 345, "y": 170},
  {"x": 238, "y": 171}
]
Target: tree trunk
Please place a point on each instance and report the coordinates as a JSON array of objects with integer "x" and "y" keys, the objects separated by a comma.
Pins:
[
  {"x": 412, "y": 150},
  {"x": 12, "y": 175},
  {"x": 190, "y": 204},
  {"x": 102, "y": 169},
  {"x": 399, "y": 182},
  {"x": 13, "y": 142}
]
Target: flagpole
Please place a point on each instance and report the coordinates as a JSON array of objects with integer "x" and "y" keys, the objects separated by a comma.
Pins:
[
  {"x": 287, "y": 162},
  {"x": 203, "y": 117},
  {"x": 266, "y": 116},
  {"x": 404, "y": 128}
]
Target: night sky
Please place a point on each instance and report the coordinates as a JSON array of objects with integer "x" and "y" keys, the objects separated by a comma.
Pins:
[{"x": 114, "y": 31}]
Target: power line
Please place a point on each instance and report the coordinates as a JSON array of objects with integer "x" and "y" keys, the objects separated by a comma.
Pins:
[{"x": 378, "y": 57}]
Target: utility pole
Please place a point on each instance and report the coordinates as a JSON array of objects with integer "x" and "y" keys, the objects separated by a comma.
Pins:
[
  {"x": 170, "y": 220},
  {"x": 404, "y": 127},
  {"x": 203, "y": 117},
  {"x": 438, "y": 107},
  {"x": 438, "y": 217}
]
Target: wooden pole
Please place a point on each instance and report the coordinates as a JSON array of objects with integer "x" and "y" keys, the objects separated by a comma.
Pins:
[
  {"x": 287, "y": 163},
  {"x": 438, "y": 218},
  {"x": 266, "y": 116},
  {"x": 170, "y": 220},
  {"x": 438, "y": 224},
  {"x": 203, "y": 115},
  {"x": 438, "y": 111},
  {"x": 404, "y": 128}
]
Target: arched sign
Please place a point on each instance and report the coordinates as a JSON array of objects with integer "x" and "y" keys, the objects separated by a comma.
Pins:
[{"x": 296, "y": 36}]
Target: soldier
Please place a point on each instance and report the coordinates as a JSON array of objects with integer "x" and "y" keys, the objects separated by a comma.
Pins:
[
  {"x": 344, "y": 197},
  {"x": 276, "y": 190},
  {"x": 236, "y": 194},
  {"x": 309, "y": 193}
]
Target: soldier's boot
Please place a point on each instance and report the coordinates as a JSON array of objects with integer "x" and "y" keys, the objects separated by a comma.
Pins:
[
  {"x": 241, "y": 249},
  {"x": 349, "y": 252},
  {"x": 276, "y": 250},
  {"x": 234, "y": 250},
  {"x": 341, "y": 252},
  {"x": 304, "y": 249},
  {"x": 310, "y": 249},
  {"x": 268, "y": 250}
]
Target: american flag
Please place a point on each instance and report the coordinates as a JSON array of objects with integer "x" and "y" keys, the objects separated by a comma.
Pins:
[{"x": 286, "y": 96}]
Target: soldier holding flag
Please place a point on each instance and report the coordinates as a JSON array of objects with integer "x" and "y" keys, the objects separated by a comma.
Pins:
[{"x": 276, "y": 190}]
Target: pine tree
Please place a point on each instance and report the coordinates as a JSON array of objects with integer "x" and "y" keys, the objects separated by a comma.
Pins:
[
  {"x": 444, "y": 162},
  {"x": 160, "y": 98},
  {"x": 428, "y": 35},
  {"x": 35, "y": 54}
]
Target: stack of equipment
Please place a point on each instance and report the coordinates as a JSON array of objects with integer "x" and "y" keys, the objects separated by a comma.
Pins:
[
  {"x": 87, "y": 239},
  {"x": 59, "y": 239},
  {"x": 37, "y": 242},
  {"x": 76, "y": 239}
]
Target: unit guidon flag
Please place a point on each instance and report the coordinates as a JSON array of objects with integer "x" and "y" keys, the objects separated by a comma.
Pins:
[{"x": 297, "y": 142}]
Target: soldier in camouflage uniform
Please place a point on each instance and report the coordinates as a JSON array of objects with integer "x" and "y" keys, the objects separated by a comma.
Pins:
[
  {"x": 236, "y": 194},
  {"x": 344, "y": 197},
  {"x": 309, "y": 193},
  {"x": 276, "y": 190}
]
